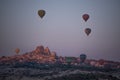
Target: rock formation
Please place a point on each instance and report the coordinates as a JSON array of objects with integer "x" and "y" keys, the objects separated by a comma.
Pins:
[{"x": 39, "y": 55}]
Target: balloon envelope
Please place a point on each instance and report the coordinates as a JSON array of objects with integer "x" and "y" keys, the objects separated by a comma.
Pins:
[
  {"x": 41, "y": 13},
  {"x": 17, "y": 50},
  {"x": 82, "y": 57},
  {"x": 87, "y": 31},
  {"x": 85, "y": 17}
]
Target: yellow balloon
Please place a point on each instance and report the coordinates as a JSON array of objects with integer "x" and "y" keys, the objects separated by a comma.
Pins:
[
  {"x": 17, "y": 50},
  {"x": 41, "y": 13}
]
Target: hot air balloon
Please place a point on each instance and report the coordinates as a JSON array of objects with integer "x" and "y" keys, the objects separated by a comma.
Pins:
[
  {"x": 17, "y": 50},
  {"x": 41, "y": 13},
  {"x": 82, "y": 58},
  {"x": 85, "y": 17},
  {"x": 87, "y": 31}
]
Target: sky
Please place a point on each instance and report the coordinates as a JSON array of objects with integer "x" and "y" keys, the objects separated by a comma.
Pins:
[{"x": 62, "y": 27}]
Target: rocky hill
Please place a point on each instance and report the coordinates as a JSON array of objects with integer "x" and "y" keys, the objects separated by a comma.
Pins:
[{"x": 39, "y": 55}]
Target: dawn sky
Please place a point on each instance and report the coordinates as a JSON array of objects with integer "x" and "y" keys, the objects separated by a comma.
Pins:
[{"x": 62, "y": 27}]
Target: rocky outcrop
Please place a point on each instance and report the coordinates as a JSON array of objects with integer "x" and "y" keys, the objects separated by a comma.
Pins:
[
  {"x": 47, "y": 51},
  {"x": 39, "y": 55},
  {"x": 39, "y": 50}
]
